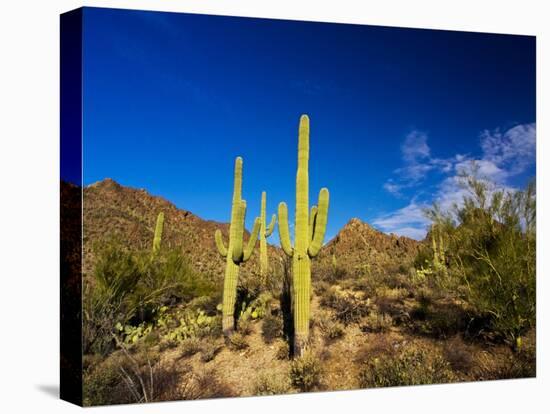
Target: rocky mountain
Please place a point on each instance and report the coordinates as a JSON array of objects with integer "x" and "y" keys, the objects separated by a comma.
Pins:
[
  {"x": 360, "y": 248},
  {"x": 113, "y": 210}
]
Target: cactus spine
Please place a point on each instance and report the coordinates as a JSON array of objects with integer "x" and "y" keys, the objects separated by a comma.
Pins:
[
  {"x": 265, "y": 232},
  {"x": 158, "y": 233},
  {"x": 309, "y": 232},
  {"x": 234, "y": 253}
]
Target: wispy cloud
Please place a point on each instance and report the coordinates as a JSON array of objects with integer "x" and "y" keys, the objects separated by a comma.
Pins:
[
  {"x": 504, "y": 155},
  {"x": 408, "y": 221}
]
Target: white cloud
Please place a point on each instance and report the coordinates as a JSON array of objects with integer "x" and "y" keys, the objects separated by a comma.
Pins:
[
  {"x": 405, "y": 221},
  {"x": 504, "y": 155},
  {"x": 513, "y": 150},
  {"x": 415, "y": 147}
]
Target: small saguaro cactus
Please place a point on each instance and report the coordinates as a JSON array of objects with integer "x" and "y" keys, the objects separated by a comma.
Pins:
[
  {"x": 234, "y": 253},
  {"x": 309, "y": 233},
  {"x": 158, "y": 233},
  {"x": 265, "y": 232}
]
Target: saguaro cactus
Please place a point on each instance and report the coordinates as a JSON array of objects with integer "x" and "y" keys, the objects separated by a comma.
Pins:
[
  {"x": 309, "y": 233},
  {"x": 158, "y": 233},
  {"x": 265, "y": 232},
  {"x": 234, "y": 252}
]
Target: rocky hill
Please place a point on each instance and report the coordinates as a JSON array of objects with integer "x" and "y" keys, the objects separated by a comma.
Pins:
[
  {"x": 360, "y": 248},
  {"x": 113, "y": 210}
]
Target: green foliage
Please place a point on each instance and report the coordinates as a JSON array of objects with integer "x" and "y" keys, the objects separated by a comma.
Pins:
[
  {"x": 349, "y": 306},
  {"x": 283, "y": 351},
  {"x": 330, "y": 328},
  {"x": 237, "y": 342},
  {"x": 191, "y": 324},
  {"x": 269, "y": 384},
  {"x": 490, "y": 251},
  {"x": 209, "y": 350},
  {"x": 190, "y": 346},
  {"x": 412, "y": 366},
  {"x": 377, "y": 322},
  {"x": 305, "y": 372},
  {"x": 128, "y": 289}
]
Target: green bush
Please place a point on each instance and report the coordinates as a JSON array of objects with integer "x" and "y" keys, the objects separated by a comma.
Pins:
[
  {"x": 490, "y": 250},
  {"x": 305, "y": 372},
  {"x": 348, "y": 306},
  {"x": 269, "y": 384},
  {"x": 128, "y": 289},
  {"x": 190, "y": 346},
  {"x": 376, "y": 322},
  {"x": 283, "y": 351},
  {"x": 237, "y": 342},
  {"x": 330, "y": 328},
  {"x": 209, "y": 350},
  {"x": 412, "y": 366}
]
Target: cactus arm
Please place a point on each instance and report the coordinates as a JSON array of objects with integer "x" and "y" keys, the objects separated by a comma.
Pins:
[
  {"x": 320, "y": 224},
  {"x": 312, "y": 217},
  {"x": 271, "y": 226},
  {"x": 219, "y": 243},
  {"x": 158, "y": 233},
  {"x": 284, "y": 234},
  {"x": 252, "y": 240},
  {"x": 237, "y": 229}
]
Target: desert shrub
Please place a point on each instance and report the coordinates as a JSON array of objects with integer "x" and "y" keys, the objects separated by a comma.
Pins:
[
  {"x": 490, "y": 250},
  {"x": 330, "y": 328},
  {"x": 305, "y": 372},
  {"x": 445, "y": 320},
  {"x": 272, "y": 328},
  {"x": 124, "y": 378},
  {"x": 376, "y": 322},
  {"x": 283, "y": 351},
  {"x": 237, "y": 342},
  {"x": 209, "y": 350},
  {"x": 208, "y": 384},
  {"x": 245, "y": 326},
  {"x": 507, "y": 365},
  {"x": 412, "y": 366},
  {"x": 321, "y": 287},
  {"x": 190, "y": 346},
  {"x": 377, "y": 346},
  {"x": 269, "y": 384},
  {"x": 348, "y": 306},
  {"x": 458, "y": 354},
  {"x": 128, "y": 289},
  {"x": 331, "y": 274}
]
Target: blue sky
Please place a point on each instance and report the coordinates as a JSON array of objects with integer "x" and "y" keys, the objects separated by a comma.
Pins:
[{"x": 171, "y": 99}]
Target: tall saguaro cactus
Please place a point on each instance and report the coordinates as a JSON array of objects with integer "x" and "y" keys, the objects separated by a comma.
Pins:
[
  {"x": 265, "y": 232},
  {"x": 309, "y": 233},
  {"x": 234, "y": 253},
  {"x": 158, "y": 233}
]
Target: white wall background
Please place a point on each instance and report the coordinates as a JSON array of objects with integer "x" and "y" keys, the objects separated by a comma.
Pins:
[{"x": 29, "y": 169}]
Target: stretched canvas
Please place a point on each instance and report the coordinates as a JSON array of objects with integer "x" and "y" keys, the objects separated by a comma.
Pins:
[{"x": 256, "y": 206}]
